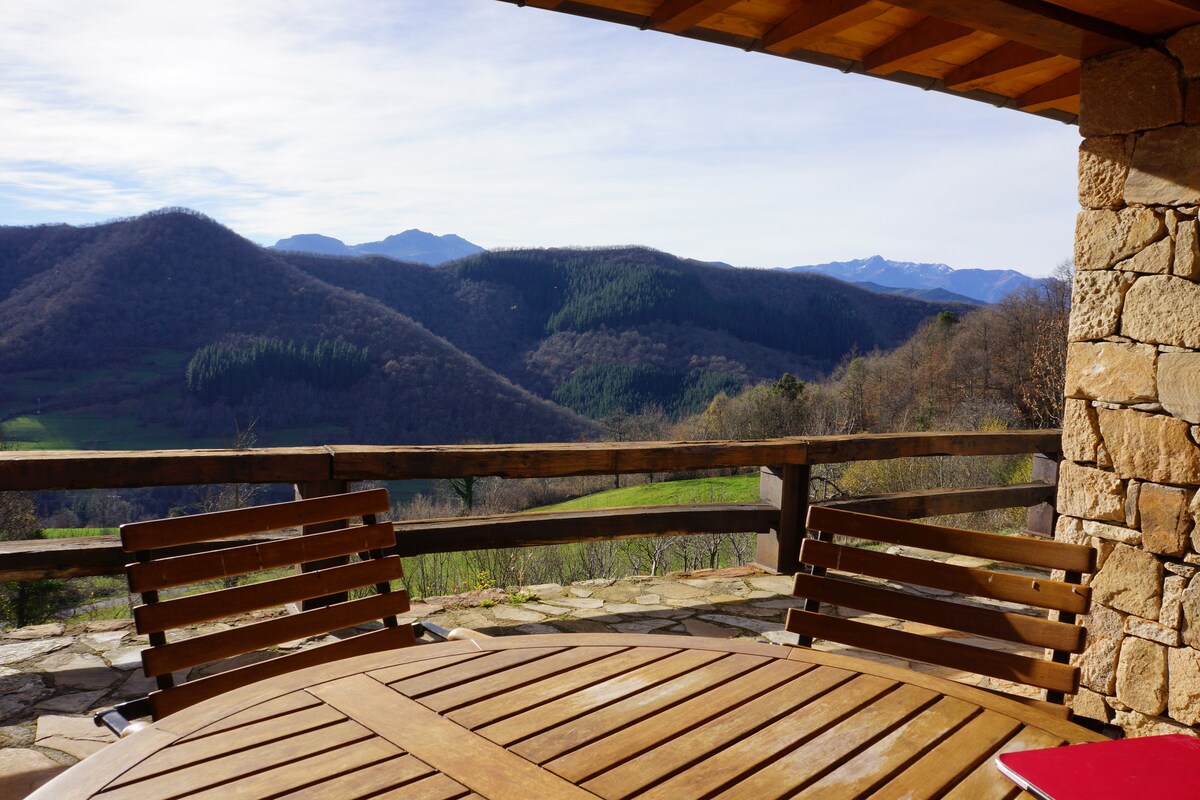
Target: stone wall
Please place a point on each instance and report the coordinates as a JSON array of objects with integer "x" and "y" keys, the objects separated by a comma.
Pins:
[{"x": 1131, "y": 472}]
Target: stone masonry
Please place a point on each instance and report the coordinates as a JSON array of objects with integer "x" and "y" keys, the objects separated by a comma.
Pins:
[{"x": 1131, "y": 472}]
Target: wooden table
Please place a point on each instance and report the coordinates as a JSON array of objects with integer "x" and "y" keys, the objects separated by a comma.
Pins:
[{"x": 579, "y": 716}]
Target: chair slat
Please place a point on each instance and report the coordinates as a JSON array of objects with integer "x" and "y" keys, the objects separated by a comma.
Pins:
[
  {"x": 155, "y": 534},
  {"x": 1003, "y": 625},
  {"x": 1011, "y": 549},
  {"x": 956, "y": 655},
  {"x": 1040, "y": 592},
  {"x": 189, "y": 653},
  {"x": 164, "y": 573},
  {"x": 218, "y": 604},
  {"x": 171, "y": 700}
]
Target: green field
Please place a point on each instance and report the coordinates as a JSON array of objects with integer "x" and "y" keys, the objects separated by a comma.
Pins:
[
  {"x": 75, "y": 533},
  {"x": 736, "y": 489}
]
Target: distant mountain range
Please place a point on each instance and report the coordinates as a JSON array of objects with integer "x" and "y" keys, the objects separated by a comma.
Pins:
[
  {"x": 878, "y": 273},
  {"x": 114, "y": 322},
  {"x": 411, "y": 245}
]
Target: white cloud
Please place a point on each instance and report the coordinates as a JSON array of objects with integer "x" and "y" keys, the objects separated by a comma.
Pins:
[{"x": 508, "y": 126}]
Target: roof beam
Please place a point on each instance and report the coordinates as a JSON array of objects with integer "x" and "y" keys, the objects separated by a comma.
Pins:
[
  {"x": 924, "y": 40},
  {"x": 1051, "y": 92},
  {"x": 1006, "y": 61},
  {"x": 817, "y": 20},
  {"x": 1190, "y": 5},
  {"x": 676, "y": 16},
  {"x": 550, "y": 4},
  {"x": 1036, "y": 23}
]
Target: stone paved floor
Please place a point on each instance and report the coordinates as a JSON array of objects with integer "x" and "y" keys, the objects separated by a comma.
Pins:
[{"x": 53, "y": 676}]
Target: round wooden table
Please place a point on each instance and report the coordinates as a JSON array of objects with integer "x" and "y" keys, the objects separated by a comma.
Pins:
[{"x": 579, "y": 716}]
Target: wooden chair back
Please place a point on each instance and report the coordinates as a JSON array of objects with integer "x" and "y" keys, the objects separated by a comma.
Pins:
[
  {"x": 954, "y": 597},
  {"x": 156, "y": 571}
]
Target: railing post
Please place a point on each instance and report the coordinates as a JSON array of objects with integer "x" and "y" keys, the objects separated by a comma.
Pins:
[
  {"x": 1041, "y": 519},
  {"x": 308, "y": 490},
  {"x": 786, "y": 488}
]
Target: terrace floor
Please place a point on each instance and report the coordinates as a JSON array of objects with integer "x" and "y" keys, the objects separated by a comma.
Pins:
[{"x": 53, "y": 676}]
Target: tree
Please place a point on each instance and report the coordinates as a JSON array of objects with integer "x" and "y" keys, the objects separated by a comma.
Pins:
[{"x": 26, "y": 602}]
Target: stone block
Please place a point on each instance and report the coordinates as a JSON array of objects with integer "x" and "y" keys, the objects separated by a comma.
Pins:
[
  {"x": 1191, "y": 615},
  {"x": 1132, "y": 492},
  {"x": 1178, "y": 382},
  {"x": 1117, "y": 373},
  {"x": 1104, "y": 238},
  {"x": 1131, "y": 90},
  {"x": 1161, "y": 309},
  {"x": 1098, "y": 661},
  {"x": 1142, "y": 676},
  {"x": 1165, "y": 168},
  {"x": 1149, "y": 447},
  {"x": 1130, "y": 581},
  {"x": 1070, "y": 530},
  {"x": 1081, "y": 431},
  {"x": 1096, "y": 302},
  {"x": 1103, "y": 165},
  {"x": 1191, "y": 102},
  {"x": 1171, "y": 614},
  {"x": 1185, "y": 46},
  {"x": 1183, "y": 699},
  {"x": 1090, "y": 493},
  {"x": 1166, "y": 522},
  {"x": 1187, "y": 248},
  {"x": 1089, "y": 704},
  {"x": 1136, "y": 725},
  {"x": 1112, "y": 533},
  {"x": 1151, "y": 631},
  {"x": 1157, "y": 259}
]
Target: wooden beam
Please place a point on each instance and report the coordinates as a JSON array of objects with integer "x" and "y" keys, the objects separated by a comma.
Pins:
[
  {"x": 924, "y": 40},
  {"x": 817, "y": 20},
  {"x": 1189, "y": 5},
  {"x": 1006, "y": 61},
  {"x": 1037, "y": 23},
  {"x": 944, "y": 502},
  {"x": 548, "y": 4},
  {"x": 1051, "y": 92},
  {"x": 562, "y": 527},
  {"x": 676, "y": 16}
]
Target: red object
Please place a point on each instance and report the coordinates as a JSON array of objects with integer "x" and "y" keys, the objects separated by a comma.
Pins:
[{"x": 1159, "y": 767}]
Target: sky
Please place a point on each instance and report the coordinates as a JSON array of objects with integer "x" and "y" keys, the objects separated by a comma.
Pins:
[{"x": 511, "y": 127}]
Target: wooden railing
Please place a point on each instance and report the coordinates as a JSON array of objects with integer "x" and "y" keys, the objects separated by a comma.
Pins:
[{"x": 777, "y": 518}]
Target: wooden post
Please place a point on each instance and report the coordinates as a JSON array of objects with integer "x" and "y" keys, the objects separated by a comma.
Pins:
[
  {"x": 786, "y": 488},
  {"x": 305, "y": 491},
  {"x": 1041, "y": 519}
]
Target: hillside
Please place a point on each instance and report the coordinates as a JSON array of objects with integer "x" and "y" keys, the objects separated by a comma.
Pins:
[
  {"x": 104, "y": 320},
  {"x": 172, "y": 329}
]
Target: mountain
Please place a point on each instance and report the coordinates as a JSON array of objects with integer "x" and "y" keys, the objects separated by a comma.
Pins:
[
  {"x": 170, "y": 329},
  {"x": 984, "y": 285},
  {"x": 931, "y": 295},
  {"x": 104, "y": 321},
  {"x": 411, "y": 245}
]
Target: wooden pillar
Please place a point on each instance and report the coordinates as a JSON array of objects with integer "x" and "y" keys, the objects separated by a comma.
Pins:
[
  {"x": 308, "y": 490},
  {"x": 1041, "y": 519},
  {"x": 786, "y": 488}
]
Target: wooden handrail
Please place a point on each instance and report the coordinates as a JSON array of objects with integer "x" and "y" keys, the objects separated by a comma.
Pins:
[{"x": 33, "y": 470}]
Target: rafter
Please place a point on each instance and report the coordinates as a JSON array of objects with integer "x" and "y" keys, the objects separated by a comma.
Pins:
[
  {"x": 1036, "y": 23},
  {"x": 924, "y": 40},
  {"x": 1006, "y": 61},
  {"x": 1189, "y": 5},
  {"x": 550, "y": 4},
  {"x": 676, "y": 16},
  {"x": 817, "y": 20},
  {"x": 1050, "y": 92}
]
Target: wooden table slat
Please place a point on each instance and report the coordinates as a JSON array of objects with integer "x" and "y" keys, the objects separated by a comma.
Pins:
[
  {"x": 953, "y": 759},
  {"x": 277, "y": 707},
  {"x": 500, "y": 683},
  {"x": 451, "y": 749},
  {"x": 474, "y": 669},
  {"x": 617, "y": 747},
  {"x": 370, "y": 780},
  {"x": 891, "y": 753},
  {"x": 435, "y": 787},
  {"x": 763, "y": 758},
  {"x": 987, "y": 781},
  {"x": 619, "y": 715},
  {"x": 578, "y": 693},
  {"x": 415, "y": 667}
]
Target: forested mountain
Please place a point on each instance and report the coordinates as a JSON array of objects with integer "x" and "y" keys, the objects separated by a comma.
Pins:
[
  {"x": 174, "y": 322},
  {"x": 411, "y": 245}
]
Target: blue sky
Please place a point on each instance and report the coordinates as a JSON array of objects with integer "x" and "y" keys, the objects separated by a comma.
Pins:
[{"x": 511, "y": 127}]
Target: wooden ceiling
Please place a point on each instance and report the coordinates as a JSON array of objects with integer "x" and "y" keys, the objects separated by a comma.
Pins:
[{"x": 1022, "y": 54}]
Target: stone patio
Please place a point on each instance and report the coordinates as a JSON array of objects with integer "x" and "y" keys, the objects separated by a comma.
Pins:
[{"x": 52, "y": 677}]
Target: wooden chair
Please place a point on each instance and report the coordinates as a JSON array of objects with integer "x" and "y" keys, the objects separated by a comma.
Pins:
[
  {"x": 155, "y": 571},
  {"x": 951, "y": 611}
]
